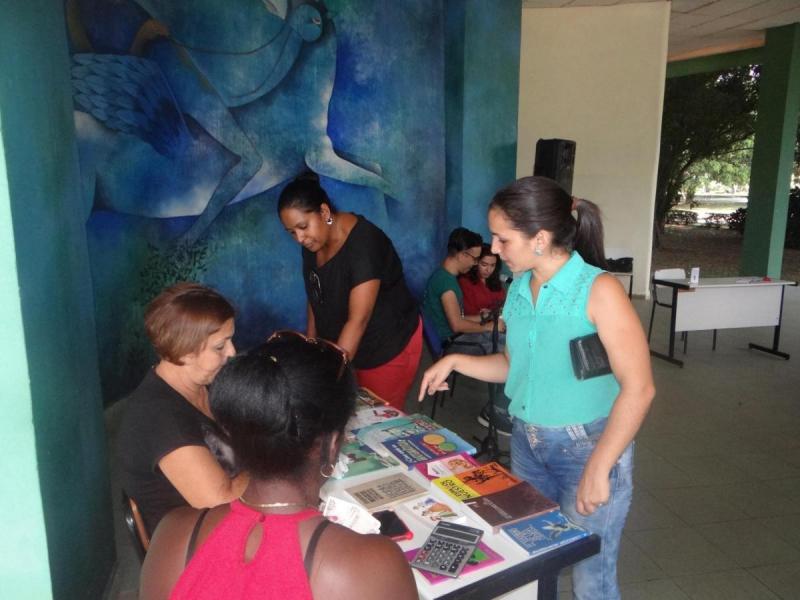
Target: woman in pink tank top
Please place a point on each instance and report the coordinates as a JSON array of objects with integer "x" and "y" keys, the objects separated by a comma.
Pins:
[{"x": 284, "y": 407}]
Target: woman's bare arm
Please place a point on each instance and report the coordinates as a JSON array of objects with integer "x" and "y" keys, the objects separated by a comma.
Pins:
[
  {"x": 311, "y": 324},
  {"x": 342, "y": 569},
  {"x": 622, "y": 335},
  {"x": 199, "y": 478},
  {"x": 492, "y": 368},
  {"x": 458, "y": 323},
  {"x": 359, "y": 310}
]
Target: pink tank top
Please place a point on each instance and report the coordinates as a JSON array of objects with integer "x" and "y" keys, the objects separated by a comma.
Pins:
[{"x": 218, "y": 570}]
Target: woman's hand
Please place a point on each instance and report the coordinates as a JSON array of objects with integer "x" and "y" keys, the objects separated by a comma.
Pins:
[
  {"x": 435, "y": 377},
  {"x": 593, "y": 490}
]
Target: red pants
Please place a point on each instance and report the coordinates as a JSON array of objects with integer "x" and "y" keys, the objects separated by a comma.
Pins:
[{"x": 392, "y": 380}]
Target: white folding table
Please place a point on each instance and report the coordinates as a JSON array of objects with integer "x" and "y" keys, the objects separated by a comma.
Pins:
[{"x": 725, "y": 303}]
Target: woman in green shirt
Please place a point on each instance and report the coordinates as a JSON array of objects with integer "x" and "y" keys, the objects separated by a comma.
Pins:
[{"x": 571, "y": 439}]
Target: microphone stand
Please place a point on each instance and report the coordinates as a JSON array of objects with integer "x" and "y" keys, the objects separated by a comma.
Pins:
[{"x": 489, "y": 446}]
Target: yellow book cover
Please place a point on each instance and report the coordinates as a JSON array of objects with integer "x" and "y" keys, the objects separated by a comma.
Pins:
[{"x": 455, "y": 488}]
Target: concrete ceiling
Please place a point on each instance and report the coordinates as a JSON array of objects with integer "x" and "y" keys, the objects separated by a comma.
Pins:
[{"x": 706, "y": 27}]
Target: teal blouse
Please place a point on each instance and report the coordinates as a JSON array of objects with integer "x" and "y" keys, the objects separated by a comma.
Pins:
[{"x": 541, "y": 384}]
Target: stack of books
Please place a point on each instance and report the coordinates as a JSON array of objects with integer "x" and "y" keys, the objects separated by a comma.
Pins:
[
  {"x": 412, "y": 439},
  {"x": 495, "y": 497}
]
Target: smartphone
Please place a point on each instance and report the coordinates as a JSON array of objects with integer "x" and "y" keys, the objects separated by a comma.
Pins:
[{"x": 392, "y": 526}]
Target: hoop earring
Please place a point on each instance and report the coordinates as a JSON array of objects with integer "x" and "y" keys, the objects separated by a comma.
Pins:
[
  {"x": 331, "y": 466},
  {"x": 329, "y": 220}
]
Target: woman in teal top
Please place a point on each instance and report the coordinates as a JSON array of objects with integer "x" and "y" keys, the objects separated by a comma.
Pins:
[{"x": 571, "y": 439}]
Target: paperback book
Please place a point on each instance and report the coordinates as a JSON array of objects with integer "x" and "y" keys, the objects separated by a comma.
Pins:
[
  {"x": 362, "y": 459},
  {"x": 449, "y": 465},
  {"x": 545, "y": 532},
  {"x": 370, "y": 415},
  {"x": 385, "y": 492},
  {"x": 495, "y": 496},
  {"x": 430, "y": 511},
  {"x": 426, "y": 446},
  {"x": 482, "y": 557},
  {"x": 374, "y": 435},
  {"x": 510, "y": 505},
  {"x": 367, "y": 398},
  {"x": 477, "y": 481}
]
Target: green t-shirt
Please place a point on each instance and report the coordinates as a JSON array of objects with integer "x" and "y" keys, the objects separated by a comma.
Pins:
[{"x": 440, "y": 282}]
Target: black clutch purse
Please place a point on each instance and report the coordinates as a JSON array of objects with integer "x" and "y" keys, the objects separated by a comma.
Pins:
[{"x": 589, "y": 358}]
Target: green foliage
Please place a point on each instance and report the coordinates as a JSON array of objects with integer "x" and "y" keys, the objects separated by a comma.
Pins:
[
  {"x": 162, "y": 268},
  {"x": 731, "y": 169},
  {"x": 738, "y": 219},
  {"x": 707, "y": 117}
]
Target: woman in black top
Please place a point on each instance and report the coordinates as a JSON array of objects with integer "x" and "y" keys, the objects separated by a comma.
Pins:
[
  {"x": 163, "y": 444},
  {"x": 357, "y": 295}
]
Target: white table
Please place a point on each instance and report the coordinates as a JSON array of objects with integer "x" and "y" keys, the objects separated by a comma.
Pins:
[
  {"x": 518, "y": 575},
  {"x": 725, "y": 303}
]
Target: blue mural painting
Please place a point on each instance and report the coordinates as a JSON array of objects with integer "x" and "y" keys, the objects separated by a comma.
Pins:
[{"x": 190, "y": 116}]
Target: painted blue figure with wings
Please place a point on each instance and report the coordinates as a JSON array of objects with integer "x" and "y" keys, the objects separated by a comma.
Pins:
[{"x": 183, "y": 107}]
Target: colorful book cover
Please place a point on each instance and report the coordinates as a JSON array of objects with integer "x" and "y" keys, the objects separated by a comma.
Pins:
[
  {"x": 361, "y": 459},
  {"x": 510, "y": 505},
  {"x": 455, "y": 488},
  {"x": 371, "y": 415},
  {"x": 488, "y": 478},
  {"x": 482, "y": 556},
  {"x": 545, "y": 532},
  {"x": 427, "y": 445},
  {"x": 365, "y": 397},
  {"x": 375, "y": 434},
  {"x": 431, "y": 510},
  {"x": 449, "y": 465},
  {"x": 386, "y": 491}
]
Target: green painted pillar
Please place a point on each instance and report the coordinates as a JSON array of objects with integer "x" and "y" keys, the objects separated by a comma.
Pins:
[{"x": 773, "y": 153}]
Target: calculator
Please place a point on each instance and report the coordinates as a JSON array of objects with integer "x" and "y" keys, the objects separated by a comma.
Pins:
[{"x": 447, "y": 549}]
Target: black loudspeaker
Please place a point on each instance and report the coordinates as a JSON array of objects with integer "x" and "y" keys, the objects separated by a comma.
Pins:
[{"x": 555, "y": 159}]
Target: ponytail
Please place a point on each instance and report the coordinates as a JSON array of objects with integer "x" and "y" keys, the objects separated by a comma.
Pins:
[
  {"x": 534, "y": 204},
  {"x": 589, "y": 233}
]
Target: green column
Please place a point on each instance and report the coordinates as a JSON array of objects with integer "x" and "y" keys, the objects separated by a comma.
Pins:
[{"x": 773, "y": 152}]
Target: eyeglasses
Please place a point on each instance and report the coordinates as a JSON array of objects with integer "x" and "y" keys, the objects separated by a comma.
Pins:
[
  {"x": 315, "y": 287},
  {"x": 472, "y": 257},
  {"x": 322, "y": 344}
]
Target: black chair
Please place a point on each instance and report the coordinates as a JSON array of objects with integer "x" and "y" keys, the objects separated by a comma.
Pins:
[
  {"x": 135, "y": 525},
  {"x": 664, "y": 274}
]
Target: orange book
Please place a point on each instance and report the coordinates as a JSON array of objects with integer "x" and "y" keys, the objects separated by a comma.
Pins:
[{"x": 488, "y": 478}]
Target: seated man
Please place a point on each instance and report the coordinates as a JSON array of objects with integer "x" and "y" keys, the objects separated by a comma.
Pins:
[{"x": 442, "y": 305}]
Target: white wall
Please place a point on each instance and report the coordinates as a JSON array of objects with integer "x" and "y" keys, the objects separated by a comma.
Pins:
[{"x": 596, "y": 75}]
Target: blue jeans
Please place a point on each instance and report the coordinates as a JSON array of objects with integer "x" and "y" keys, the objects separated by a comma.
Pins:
[{"x": 552, "y": 459}]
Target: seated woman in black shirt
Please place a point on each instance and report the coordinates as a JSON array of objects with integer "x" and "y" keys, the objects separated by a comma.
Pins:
[
  {"x": 161, "y": 446},
  {"x": 357, "y": 295},
  {"x": 284, "y": 407}
]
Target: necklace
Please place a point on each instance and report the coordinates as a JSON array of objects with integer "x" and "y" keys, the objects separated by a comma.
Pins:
[{"x": 272, "y": 504}]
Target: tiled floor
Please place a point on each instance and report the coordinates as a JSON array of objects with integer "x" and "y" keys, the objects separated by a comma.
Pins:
[{"x": 716, "y": 511}]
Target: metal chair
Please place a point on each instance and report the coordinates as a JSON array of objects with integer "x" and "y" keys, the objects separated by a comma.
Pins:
[
  {"x": 134, "y": 523},
  {"x": 665, "y": 291}
]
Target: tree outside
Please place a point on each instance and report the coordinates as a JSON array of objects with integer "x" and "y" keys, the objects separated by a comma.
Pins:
[
  {"x": 706, "y": 144},
  {"x": 707, "y": 129}
]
